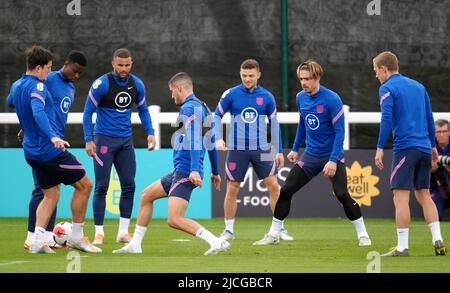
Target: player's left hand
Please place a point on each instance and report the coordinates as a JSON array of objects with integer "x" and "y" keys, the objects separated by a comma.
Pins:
[
  {"x": 20, "y": 136},
  {"x": 151, "y": 142},
  {"x": 329, "y": 170},
  {"x": 434, "y": 155},
  {"x": 434, "y": 167},
  {"x": 293, "y": 157},
  {"x": 195, "y": 178},
  {"x": 280, "y": 160},
  {"x": 215, "y": 179},
  {"x": 59, "y": 143},
  {"x": 379, "y": 159}
]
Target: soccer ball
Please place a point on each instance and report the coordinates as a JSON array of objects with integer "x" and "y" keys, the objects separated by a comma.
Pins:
[{"x": 62, "y": 232}]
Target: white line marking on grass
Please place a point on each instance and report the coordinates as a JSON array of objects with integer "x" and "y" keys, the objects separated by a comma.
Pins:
[
  {"x": 181, "y": 240},
  {"x": 16, "y": 262}
]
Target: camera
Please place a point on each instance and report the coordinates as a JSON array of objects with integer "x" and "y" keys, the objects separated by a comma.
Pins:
[{"x": 444, "y": 160}]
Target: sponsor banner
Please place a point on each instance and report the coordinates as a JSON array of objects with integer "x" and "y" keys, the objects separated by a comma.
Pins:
[
  {"x": 17, "y": 185},
  {"x": 367, "y": 185}
]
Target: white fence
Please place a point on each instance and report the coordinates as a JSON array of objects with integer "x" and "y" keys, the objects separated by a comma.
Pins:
[{"x": 159, "y": 118}]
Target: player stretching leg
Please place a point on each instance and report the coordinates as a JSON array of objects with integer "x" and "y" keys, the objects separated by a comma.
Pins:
[
  {"x": 322, "y": 123},
  {"x": 189, "y": 151}
]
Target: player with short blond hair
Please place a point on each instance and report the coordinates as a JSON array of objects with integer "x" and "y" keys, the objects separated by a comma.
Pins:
[{"x": 406, "y": 111}]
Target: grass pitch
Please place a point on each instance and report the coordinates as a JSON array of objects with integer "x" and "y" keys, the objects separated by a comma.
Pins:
[{"x": 321, "y": 245}]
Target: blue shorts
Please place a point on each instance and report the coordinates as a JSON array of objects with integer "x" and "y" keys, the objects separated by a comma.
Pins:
[
  {"x": 178, "y": 184},
  {"x": 411, "y": 169},
  {"x": 313, "y": 165},
  {"x": 64, "y": 168},
  {"x": 237, "y": 162}
]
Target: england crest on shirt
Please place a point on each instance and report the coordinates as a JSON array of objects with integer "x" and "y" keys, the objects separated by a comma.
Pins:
[
  {"x": 319, "y": 108},
  {"x": 259, "y": 101}
]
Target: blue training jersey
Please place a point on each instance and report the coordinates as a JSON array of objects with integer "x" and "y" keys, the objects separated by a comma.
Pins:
[
  {"x": 115, "y": 122},
  {"x": 322, "y": 123},
  {"x": 189, "y": 144},
  {"x": 35, "y": 110},
  {"x": 62, "y": 91},
  {"x": 249, "y": 111},
  {"x": 406, "y": 110}
]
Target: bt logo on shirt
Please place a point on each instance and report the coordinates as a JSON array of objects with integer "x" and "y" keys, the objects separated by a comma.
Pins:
[
  {"x": 65, "y": 105},
  {"x": 122, "y": 101},
  {"x": 312, "y": 121},
  {"x": 249, "y": 115}
]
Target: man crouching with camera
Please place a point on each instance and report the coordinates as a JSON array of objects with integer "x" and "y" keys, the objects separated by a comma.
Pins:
[{"x": 440, "y": 179}]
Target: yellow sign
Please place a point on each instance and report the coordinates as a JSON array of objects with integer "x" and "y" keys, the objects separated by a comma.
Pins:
[
  {"x": 361, "y": 183},
  {"x": 113, "y": 194}
]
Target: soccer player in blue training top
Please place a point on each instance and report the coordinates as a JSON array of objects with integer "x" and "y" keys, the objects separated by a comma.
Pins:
[
  {"x": 406, "y": 110},
  {"x": 46, "y": 153},
  {"x": 322, "y": 124},
  {"x": 249, "y": 104},
  {"x": 112, "y": 95},
  {"x": 60, "y": 85},
  {"x": 189, "y": 143}
]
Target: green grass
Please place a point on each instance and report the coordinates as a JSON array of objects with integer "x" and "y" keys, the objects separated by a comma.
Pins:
[{"x": 321, "y": 245}]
